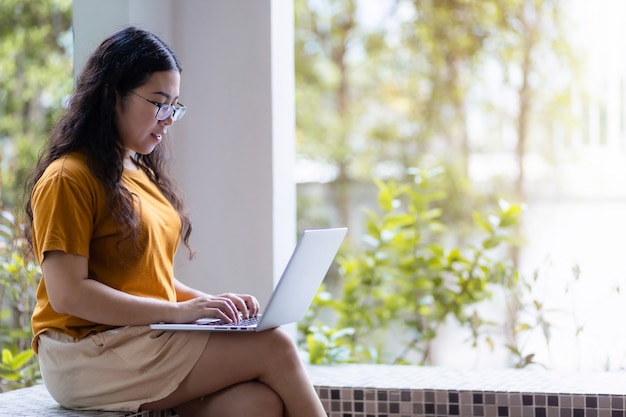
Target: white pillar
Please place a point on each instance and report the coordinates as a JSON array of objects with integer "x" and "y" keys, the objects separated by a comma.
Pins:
[{"x": 234, "y": 149}]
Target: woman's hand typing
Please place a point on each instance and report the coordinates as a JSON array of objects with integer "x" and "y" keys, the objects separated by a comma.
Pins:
[{"x": 228, "y": 307}]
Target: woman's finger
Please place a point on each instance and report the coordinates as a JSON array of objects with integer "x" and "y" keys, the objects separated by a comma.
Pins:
[
  {"x": 252, "y": 304},
  {"x": 238, "y": 303},
  {"x": 226, "y": 306}
]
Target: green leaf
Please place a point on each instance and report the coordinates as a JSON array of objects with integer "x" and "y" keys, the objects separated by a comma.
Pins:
[
  {"x": 492, "y": 242},
  {"x": 398, "y": 221},
  {"x": 522, "y": 327},
  {"x": 10, "y": 375},
  {"x": 433, "y": 214},
  {"x": 7, "y": 357},
  {"x": 480, "y": 220},
  {"x": 385, "y": 197},
  {"x": 454, "y": 255},
  {"x": 22, "y": 358}
]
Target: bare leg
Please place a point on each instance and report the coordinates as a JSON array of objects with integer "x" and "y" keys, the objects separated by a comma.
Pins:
[
  {"x": 269, "y": 357},
  {"x": 245, "y": 399}
]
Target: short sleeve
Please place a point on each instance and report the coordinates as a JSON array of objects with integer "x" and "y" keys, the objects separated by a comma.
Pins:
[{"x": 63, "y": 216}]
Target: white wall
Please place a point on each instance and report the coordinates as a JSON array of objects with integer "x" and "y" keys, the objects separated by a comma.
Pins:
[{"x": 234, "y": 149}]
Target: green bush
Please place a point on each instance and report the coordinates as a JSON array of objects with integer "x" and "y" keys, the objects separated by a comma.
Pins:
[
  {"x": 412, "y": 277},
  {"x": 19, "y": 276}
]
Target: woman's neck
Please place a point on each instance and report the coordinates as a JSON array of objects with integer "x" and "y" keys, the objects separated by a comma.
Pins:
[{"x": 128, "y": 162}]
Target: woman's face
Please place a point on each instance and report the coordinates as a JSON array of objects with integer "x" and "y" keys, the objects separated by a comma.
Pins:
[{"x": 135, "y": 117}]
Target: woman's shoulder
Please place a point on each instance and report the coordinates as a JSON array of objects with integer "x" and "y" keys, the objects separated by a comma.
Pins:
[
  {"x": 73, "y": 166},
  {"x": 72, "y": 163}
]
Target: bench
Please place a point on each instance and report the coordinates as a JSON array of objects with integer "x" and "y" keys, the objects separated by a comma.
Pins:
[
  {"x": 403, "y": 391},
  {"x": 36, "y": 402}
]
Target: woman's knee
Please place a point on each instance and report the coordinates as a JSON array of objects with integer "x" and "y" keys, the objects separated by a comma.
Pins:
[{"x": 282, "y": 345}]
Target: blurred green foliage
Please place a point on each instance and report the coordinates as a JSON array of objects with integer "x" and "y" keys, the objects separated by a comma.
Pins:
[
  {"x": 463, "y": 85},
  {"x": 397, "y": 292},
  {"x": 19, "y": 276},
  {"x": 35, "y": 79},
  {"x": 368, "y": 100}
]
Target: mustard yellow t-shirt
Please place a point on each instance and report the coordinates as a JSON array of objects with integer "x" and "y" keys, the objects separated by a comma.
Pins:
[{"x": 71, "y": 215}]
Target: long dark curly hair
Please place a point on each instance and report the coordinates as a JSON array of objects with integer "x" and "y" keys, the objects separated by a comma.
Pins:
[{"x": 121, "y": 63}]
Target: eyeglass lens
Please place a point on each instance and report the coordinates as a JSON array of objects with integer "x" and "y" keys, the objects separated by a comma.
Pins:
[{"x": 167, "y": 110}]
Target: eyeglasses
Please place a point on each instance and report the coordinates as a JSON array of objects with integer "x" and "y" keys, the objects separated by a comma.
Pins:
[{"x": 166, "y": 111}]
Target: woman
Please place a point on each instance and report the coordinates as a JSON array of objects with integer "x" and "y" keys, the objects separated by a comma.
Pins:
[{"x": 105, "y": 221}]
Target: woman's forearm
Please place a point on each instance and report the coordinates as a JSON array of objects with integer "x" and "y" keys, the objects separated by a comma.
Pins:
[{"x": 94, "y": 301}]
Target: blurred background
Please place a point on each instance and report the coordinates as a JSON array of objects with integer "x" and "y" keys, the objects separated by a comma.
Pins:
[{"x": 450, "y": 136}]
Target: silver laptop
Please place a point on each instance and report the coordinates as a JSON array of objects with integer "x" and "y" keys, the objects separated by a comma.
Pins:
[{"x": 294, "y": 292}]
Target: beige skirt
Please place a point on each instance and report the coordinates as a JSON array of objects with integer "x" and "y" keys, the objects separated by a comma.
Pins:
[{"x": 117, "y": 370}]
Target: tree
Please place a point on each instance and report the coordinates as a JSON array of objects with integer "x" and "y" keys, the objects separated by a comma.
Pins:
[
  {"x": 326, "y": 107},
  {"x": 531, "y": 48},
  {"x": 35, "y": 78},
  {"x": 375, "y": 100}
]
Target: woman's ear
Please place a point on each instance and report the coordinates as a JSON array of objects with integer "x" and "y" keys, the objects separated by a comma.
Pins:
[
  {"x": 112, "y": 98},
  {"x": 110, "y": 93}
]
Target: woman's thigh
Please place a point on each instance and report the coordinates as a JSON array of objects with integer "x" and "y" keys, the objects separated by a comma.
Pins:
[
  {"x": 232, "y": 358},
  {"x": 124, "y": 360}
]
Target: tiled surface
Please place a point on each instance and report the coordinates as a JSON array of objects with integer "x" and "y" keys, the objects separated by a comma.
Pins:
[
  {"x": 36, "y": 402},
  {"x": 398, "y": 391},
  {"x": 402, "y": 391}
]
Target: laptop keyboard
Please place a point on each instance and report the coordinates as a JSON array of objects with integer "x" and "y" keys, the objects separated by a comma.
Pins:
[{"x": 245, "y": 322}]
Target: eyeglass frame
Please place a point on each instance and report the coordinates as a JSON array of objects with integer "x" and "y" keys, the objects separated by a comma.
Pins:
[{"x": 181, "y": 108}]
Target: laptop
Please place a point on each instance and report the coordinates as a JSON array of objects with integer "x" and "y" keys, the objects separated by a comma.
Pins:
[{"x": 294, "y": 292}]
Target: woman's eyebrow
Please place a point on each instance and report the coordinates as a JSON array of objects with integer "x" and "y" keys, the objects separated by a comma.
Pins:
[{"x": 164, "y": 94}]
